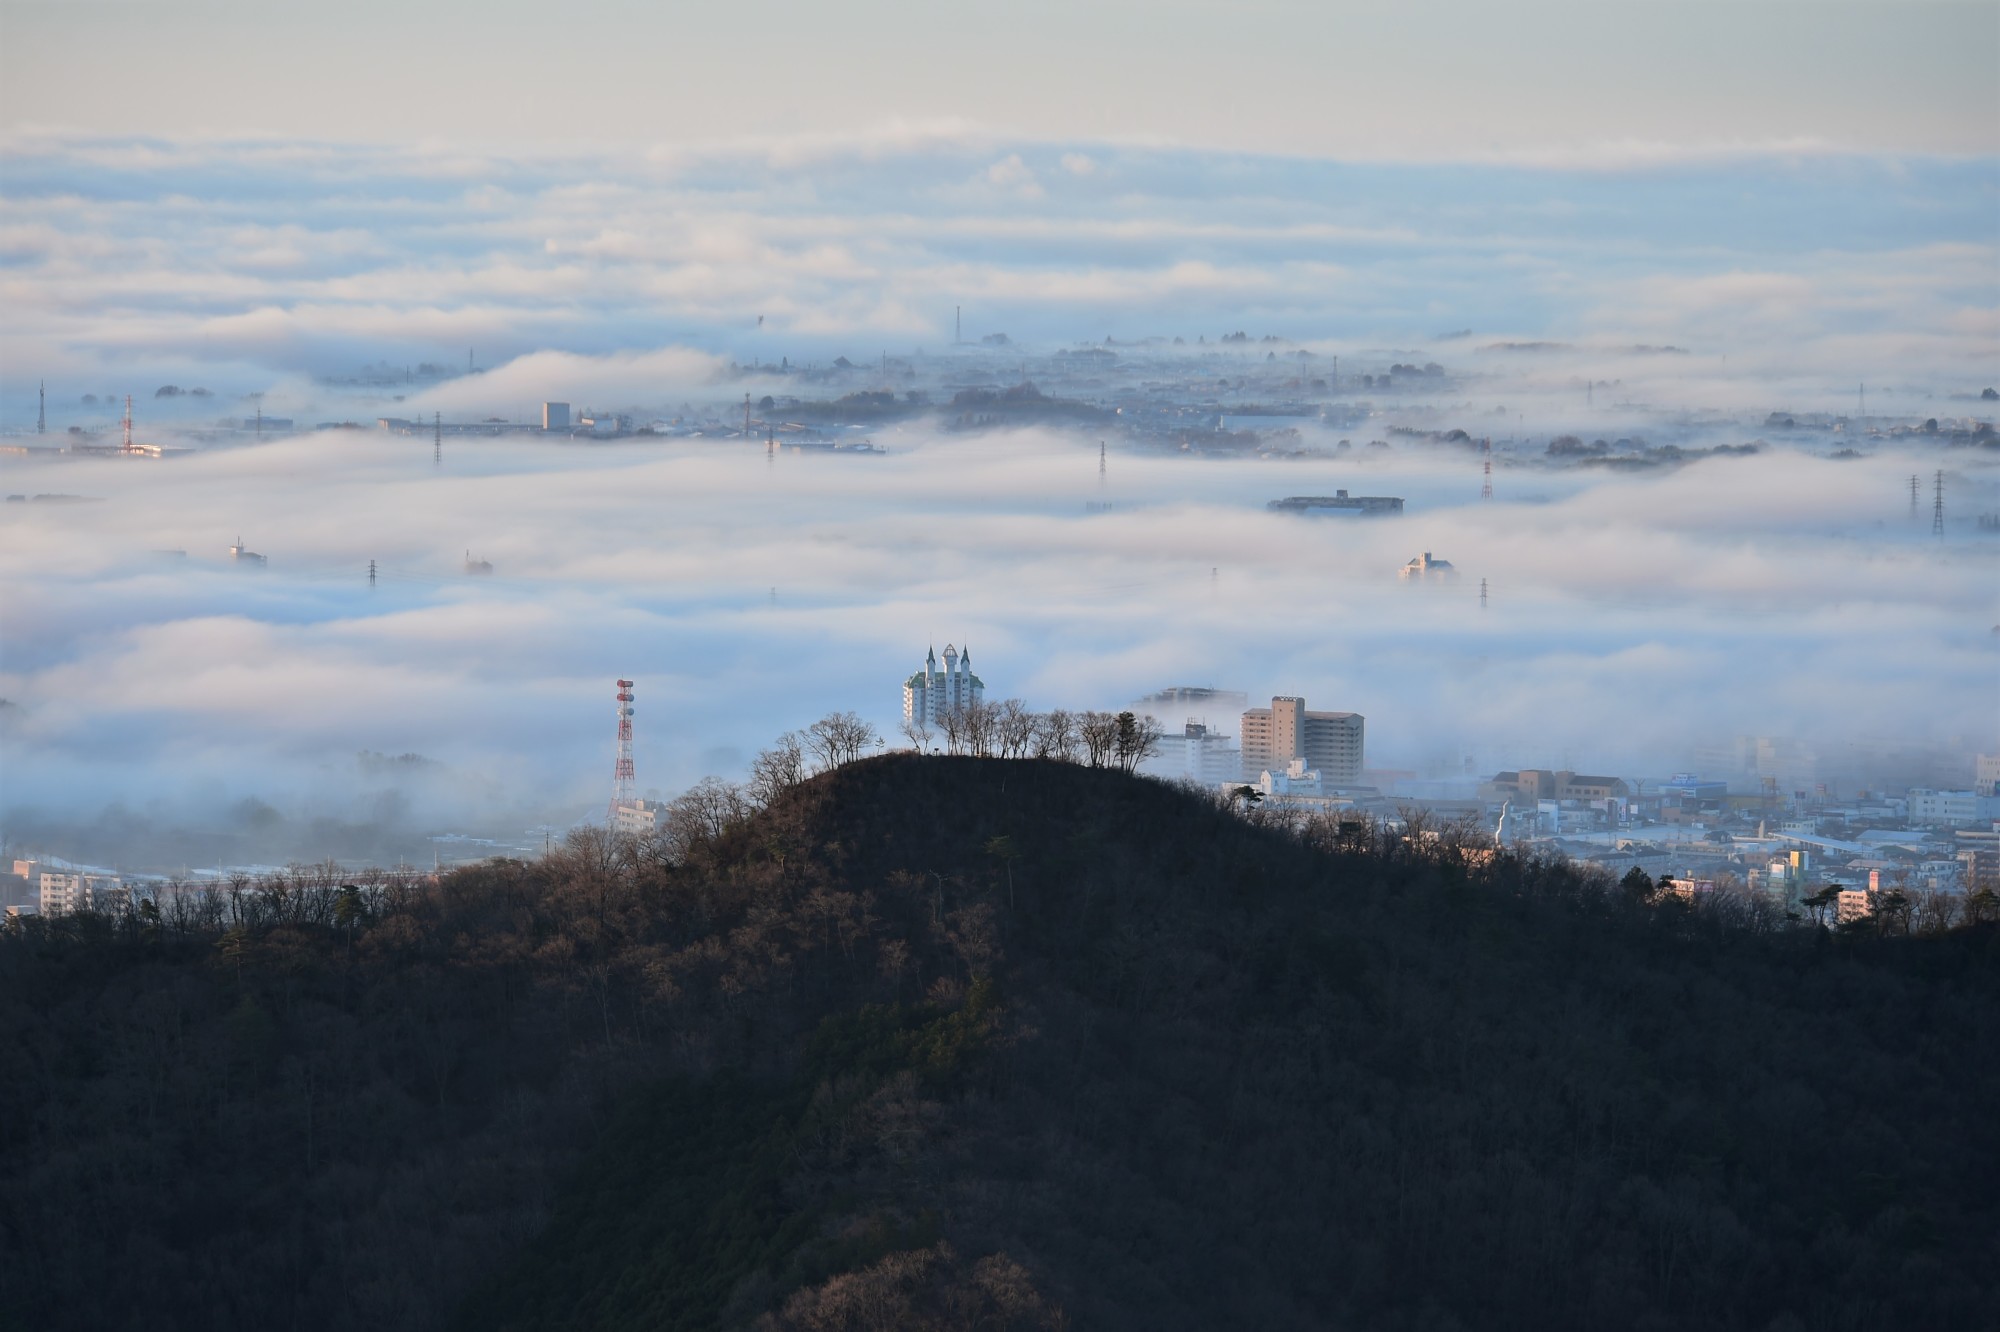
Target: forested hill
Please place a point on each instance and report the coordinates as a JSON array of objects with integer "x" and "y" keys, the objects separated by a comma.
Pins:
[{"x": 962, "y": 1043}]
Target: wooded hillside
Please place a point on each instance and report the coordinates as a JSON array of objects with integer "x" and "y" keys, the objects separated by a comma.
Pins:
[{"x": 978, "y": 1043}]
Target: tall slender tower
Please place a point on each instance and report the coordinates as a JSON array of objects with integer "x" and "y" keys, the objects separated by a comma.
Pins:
[
  {"x": 42, "y": 408},
  {"x": 1486, "y": 484},
  {"x": 1937, "y": 508},
  {"x": 128, "y": 425},
  {"x": 622, "y": 778},
  {"x": 1482, "y": 594},
  {"x": 437, "y": 439},
  {"x": 1913, "y": 497}
]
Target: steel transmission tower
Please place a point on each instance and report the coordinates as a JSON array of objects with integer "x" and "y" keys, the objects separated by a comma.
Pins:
[
  {"x": 621, "y": 772},
  {"x": 437, "y": 439},
  {"x": 1913, "y": 498},
  {"x": 1482, "y": 594},
  {"x": 42, "y": 408},
  {"x": 1937, "y": 508}
]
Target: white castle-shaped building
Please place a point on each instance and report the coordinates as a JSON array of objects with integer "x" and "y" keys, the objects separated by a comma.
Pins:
[{"x": 931, "y": 692}]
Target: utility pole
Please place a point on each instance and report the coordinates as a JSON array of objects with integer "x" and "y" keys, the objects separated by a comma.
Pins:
[{"x": 1937, "y": 509}]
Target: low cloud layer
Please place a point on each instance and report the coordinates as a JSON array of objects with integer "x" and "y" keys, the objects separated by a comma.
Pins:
[
  {"x": 127, "y": 263},
  {"x": 1629, "y": 619}
]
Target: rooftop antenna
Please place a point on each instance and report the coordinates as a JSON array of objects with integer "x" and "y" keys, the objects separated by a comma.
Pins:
[
  {"x": 42, "y": 408},
  {"x": 1937, "y": 508},
  {"x": 622, "y": 779}
]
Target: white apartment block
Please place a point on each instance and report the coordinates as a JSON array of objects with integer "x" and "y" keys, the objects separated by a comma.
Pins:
[
  {"x": 66, "y": 893},
  {"x": 931, "y": 693},
  {"x": 1951, "y": 809}
]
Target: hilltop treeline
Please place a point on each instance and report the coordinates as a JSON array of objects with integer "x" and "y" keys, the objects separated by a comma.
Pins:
[{"x": 947, "y": 1042}]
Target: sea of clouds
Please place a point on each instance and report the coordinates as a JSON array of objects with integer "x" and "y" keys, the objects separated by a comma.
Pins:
[{"x": 1630, "y": 618}]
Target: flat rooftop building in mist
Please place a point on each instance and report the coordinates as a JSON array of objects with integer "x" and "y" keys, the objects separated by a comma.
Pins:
[
  {"x": 1331, "y": 743},
  {"x": 555, "y": 416},
  {"x": 1340, "y": 502}
]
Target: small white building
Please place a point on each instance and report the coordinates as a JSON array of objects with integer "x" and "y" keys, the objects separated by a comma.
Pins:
[
  {"x": 1296, "y": 779},
  {"x": 1428, "y": 569},
  {"x": 931, "y": 693}
]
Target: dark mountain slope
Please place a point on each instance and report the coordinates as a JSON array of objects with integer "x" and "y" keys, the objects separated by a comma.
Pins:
[{"x": 962, "y": 1043}]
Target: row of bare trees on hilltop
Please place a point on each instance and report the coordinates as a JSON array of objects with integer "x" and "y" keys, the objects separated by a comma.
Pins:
[{"x": 1010, "y": 729}]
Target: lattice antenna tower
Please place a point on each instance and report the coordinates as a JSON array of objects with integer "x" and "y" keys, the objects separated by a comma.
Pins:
[
  {"x": 1486, "y": 481},
  {"x": 1937, "y": 508},
  {"x": 622, "y": 778},
  {"x": 128, "y": 424}
]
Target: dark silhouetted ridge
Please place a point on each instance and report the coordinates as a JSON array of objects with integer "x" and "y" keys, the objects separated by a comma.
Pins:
[{"x": 956, "y": 1043}]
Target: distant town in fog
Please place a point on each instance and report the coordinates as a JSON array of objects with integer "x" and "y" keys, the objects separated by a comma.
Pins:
[{"x": 1256, "y": 510}]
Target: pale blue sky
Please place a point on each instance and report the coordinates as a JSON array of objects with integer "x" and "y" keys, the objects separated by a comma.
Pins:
[{"x": 1443, "y": 78}]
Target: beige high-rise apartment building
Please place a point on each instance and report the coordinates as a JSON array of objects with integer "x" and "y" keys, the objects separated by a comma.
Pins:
[{"x": 1329, "y": 742}]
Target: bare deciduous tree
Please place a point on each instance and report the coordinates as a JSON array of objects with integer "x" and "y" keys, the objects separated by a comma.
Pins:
[
  {"x": 1014, "y": 729},
  {"x": 1098, "y": 734},
  {"x": 782, "y": 765},
  {"x": 1137, "y": 739},
  {"x": 1055, "y": 736},
  {"x": 839, "y": 737}
]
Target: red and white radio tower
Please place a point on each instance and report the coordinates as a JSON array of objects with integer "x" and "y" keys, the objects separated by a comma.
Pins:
[{"x": 621, "y": 772}]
